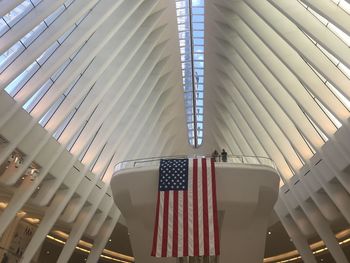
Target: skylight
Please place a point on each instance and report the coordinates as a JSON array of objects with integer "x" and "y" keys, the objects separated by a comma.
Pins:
[{"x": 190, "y": 19}]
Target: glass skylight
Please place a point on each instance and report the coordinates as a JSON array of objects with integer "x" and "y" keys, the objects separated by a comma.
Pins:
[{"x": 190, "y": 19}]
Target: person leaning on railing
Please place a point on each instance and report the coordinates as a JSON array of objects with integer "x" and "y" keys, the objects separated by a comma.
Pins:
[
  {"x": 224, "y": 155},
  {"x": 215, "y": 155}
]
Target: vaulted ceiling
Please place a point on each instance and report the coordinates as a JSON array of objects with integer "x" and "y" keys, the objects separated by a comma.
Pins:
[{"x": 104, "y": 78}]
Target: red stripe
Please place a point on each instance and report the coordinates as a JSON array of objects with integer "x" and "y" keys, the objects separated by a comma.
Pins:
[
  {"x": 175, "y": 223},
  {"x": 215, "y": 212},
  {"x": 155, "y": 233},
  {"x": 195, "y": 209},
  {"x": 205, "y": 207},
  {"x": 185, "y": 224},
  {"x": 165, "y": 224}
]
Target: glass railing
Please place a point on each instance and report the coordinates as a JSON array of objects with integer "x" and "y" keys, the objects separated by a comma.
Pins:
[{"x": 233, "y": 159}]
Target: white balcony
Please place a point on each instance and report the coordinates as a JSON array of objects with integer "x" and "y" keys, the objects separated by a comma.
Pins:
[{"x": 247, "y": 189}]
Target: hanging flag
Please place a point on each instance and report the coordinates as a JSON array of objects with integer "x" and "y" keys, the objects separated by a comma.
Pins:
[{"x": 186, "y": 221}]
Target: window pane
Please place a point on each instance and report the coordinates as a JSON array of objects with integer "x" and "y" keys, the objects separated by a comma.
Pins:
[
  {"x": 198, "y": 10},
  {"x": 198, "y": 26},
  {"x": 197, "y": 18},
  {"x": 16, "y": 14},
  {"x": 191, "y": 37}
]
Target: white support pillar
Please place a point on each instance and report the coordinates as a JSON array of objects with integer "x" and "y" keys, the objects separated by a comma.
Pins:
[
  {"x": 323, "y": 229},
  {"x": 294, "y": 232},
  {"x": 80, "y": 225},
  {"x": 103, "y": 236}
]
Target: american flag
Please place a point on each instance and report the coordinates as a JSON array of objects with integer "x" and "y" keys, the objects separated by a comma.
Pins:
[{"x": 186, "y": 221}]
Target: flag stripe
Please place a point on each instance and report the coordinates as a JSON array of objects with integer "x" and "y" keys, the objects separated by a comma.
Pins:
[
  {"x": 205, "y": 207},
  {"x": 185, "y": 222},
  {"x": 200, "y": 209},
  {"x": 165, "y": 224},
  {"x": 160, "y": 225},
  {"x": 195, "y": 208},
  {"x": 180, "y": 242},
  {"x": 216, "y": 226},
  {"x": 175, "y": 224},
  {"x": 210, "y": 209},
  {"x": 155, "y": 233},
  {"x": 190, "y": 209},
  {"x": 170, "y": 224}
]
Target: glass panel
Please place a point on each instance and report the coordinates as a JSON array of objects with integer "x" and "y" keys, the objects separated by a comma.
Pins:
[
  {"x": 63, "y": 125},
  {"x": 51, "y": 111},
  {"x": 199, "y": 102},
  {"x": 3, "y": 27},
  {"x": 68, "y": 3},
  {"x": 198, "y": 56},
  {"x": 198, "y": 26},
  {"x": 198, "y": 64},
  {"x": 16, "y": 14},
  {"x": 66, "y": 34},
  {"x": 55, "y": 76},
  {"x": 54, "y": 15},
  {"x": 198, "y": 41},
  {"x": 36, "y": 2},
  {"x": 200, "y": 87},
  {"x": 10, "y": 55},
  {"x": 30, "y": 104},
  {"x": 32, "y": 35},
  {"x": 197, "y": 18},
  {"x": 345, "y": 5},
  {"x": 198, "y": 49},
  {"x": 44, "y": 56},
  {"x": 197, "y": 2},
  {"x": 181, "y": 12},
  {"x": 22, "y": 79},
  {"x": 197, "y": 10},
  {"x": 198, "y": 34},
  {"x": 191, "y": 36}
]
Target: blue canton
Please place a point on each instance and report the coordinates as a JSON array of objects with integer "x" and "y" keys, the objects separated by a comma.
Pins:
[{"x": 173, "y": 174}]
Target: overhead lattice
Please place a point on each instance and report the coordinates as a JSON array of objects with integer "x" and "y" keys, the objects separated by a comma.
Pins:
[
  {"x": 103, "y": 77},
  {"x": 190, "y": 19},
  {"x": 90, "y": 79}
]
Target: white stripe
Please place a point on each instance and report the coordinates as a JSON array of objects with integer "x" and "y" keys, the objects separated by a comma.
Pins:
[
  {"x": 160, "y": 225},
  {"x": 190, "y": 207},
  {"x": 170, "y": 224},
  {"x": 180, "y": 225},
  {"x": 200, "y": 209},
  {"x": 210, "y": 211}
]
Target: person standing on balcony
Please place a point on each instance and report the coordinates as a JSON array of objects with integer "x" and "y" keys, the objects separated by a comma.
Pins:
[
  {"x": 215, "y": 155},
  {"x": 224, "y": 155}
]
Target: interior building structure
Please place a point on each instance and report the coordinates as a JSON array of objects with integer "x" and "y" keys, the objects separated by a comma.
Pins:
[{"x": 85, "y": 85}]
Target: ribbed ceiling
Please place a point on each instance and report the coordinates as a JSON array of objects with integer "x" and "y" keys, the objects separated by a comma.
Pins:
[
  {"x": 104, "y": 79},
  {"x": 278, "y": 85}
]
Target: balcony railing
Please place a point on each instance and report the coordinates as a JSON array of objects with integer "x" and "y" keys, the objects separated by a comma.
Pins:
[{"x": 235, "y": 159}]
